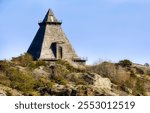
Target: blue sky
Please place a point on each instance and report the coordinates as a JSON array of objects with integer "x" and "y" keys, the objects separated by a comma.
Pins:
[{"x": 98, "y": 29}]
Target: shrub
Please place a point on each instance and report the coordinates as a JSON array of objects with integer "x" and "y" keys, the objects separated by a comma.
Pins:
[
  {"x": 60, "y": 80},
  {"x": 21, "y": 81},
  {"x": 125, "y": 63},
  {"x": 132, "y": 73},
  {"x": 146, "y": 64},
  {"x": 4, "y": 66},
  {"x": 68, "y": 66},
  {"x": 24, "y": 60},
  {"x": 146, "y": 85},
  {"x": 147, "y": 72},
  {"x": 121, "y": 76},
  {"x": 40, "y": 63},
  {"x": 137, "y": 85},
  {"x": 105, "y": 69},
  {"x": 81, "y": 82},
  {"x": 139, "y": 70},
  {"x": 43, "y": 86},
  {"x": 117, "y": 74},
  {"x": 61, "y": 70},
  {"x": 139, "y": 88},
  {"x": 4, "y": 79}
]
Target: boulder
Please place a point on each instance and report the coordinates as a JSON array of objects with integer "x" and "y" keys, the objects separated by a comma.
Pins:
[
  {"x": 40, "y": 72},
  {"x": 2, "y": 93},
  {"x": 100, "y": 82},
  {"x": 146, "y": 93},
  {"x": 61, "y": 90},
  {"x": 6, "y": 91}
]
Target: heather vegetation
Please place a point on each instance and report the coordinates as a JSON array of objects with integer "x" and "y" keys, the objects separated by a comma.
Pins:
[
  {"x": 126, "y": 75},
  {"x": 18, "y": 74},
  {"x": 31, "y": 77}
]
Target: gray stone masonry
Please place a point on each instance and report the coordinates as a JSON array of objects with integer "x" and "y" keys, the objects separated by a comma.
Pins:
[{"x": 50, "y": 42}]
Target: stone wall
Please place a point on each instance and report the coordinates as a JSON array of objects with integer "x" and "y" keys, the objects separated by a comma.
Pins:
[{"x": 55, "y": 34}]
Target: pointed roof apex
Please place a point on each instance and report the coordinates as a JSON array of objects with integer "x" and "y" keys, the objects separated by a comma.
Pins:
[
  {"x": 50, "y": 17},
  {"x": 50, "y": 12}
]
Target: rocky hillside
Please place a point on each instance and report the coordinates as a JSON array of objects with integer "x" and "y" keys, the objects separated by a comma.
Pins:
[{"x": 23, "y": 76}]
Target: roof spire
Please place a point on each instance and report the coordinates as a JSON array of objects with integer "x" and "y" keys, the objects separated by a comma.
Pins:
[
  {"x": 50, "y": 12},
  {"x": 50, "y": 17}
]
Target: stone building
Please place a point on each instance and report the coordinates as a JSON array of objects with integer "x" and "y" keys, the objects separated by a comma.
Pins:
[{"x": 50, "y": 42}]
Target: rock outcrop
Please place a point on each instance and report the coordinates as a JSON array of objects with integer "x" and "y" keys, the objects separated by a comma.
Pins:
[
  {"x": 96, "y": 85},
  {"x": 6, "y": 91},
  {"x": 23, "y": 76}
]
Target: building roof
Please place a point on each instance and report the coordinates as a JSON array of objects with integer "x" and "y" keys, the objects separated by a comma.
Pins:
[
  {"x": 50, "y": 17},
  {"x": 50, "y": 42}
]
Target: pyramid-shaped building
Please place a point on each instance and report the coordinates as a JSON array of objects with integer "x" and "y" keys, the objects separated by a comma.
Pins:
[{"x": 50, "y": 42}]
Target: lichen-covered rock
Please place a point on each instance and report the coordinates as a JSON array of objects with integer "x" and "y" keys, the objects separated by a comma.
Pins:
[
  {"x": 40, "y": 72},
  {"x": 61, "y": 90},
  {"x": 2, "y": 93},
  {"x": 6, "y": 91},
  {"x": 103, "y": 83},
  {"x": 98, "y": 81}
]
